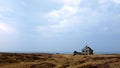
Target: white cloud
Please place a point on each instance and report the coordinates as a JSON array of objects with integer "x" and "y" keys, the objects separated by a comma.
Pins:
[
  {"x": 5, "y": 13},
  {"x": 70, "y": 14},
  {"x": 116, "y": 1},
  {"x": 108, "y": 1},
  {"x": 54, "y": 28},
  {"x": 103, "y": 1},
  {"x": 6, "y": 9},
  {"x": 61, "y": 17},
  {"x": 6, "y": 28},
  {"x": 8, "y": 35},
  {"x": 69, "y": 2},
  {"x": 65, "y": 12}
]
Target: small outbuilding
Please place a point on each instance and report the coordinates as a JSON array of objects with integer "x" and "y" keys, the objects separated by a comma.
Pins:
[
  {"x": 77, "y": 53},
  {"x": 87, "y": 51}
]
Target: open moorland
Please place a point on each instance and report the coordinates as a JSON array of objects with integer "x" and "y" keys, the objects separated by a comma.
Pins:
[{"x": 17, "y": 60}]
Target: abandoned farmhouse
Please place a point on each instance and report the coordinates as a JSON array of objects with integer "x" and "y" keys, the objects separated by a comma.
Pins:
[{"x": 85, "y": 51}]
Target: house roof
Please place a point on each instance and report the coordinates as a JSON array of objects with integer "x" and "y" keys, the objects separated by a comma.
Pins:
[{"x": 86, "y": 48}]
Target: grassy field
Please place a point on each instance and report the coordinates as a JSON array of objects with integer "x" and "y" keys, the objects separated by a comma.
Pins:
[{"x": 14, "y": 60}]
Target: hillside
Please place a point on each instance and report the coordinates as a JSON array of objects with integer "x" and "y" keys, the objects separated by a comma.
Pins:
[{"x": 14, "y": 60}]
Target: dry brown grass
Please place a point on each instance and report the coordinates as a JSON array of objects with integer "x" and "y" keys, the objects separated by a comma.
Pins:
[{"x": 12, "y": 60}]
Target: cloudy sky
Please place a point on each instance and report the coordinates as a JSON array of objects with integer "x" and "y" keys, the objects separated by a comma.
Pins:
[{"x": 59, "y": 25}]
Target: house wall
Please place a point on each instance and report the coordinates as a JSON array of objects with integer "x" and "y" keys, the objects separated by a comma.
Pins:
[{"x": 87, "y": 52}]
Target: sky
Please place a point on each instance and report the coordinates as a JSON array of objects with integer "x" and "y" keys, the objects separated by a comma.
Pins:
[{"x": 61, "y": 26}]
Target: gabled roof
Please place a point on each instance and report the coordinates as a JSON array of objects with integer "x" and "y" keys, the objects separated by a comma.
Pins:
[{"x": 87, "y": 48}]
